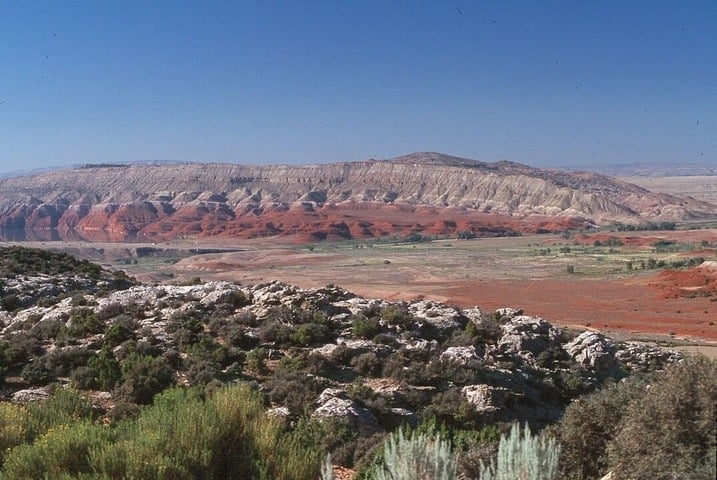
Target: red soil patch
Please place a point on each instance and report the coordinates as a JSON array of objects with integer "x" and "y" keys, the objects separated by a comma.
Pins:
[
  {"x": 624, "y": 306},
  {"x": 650, "y": 303},
  {"x": 680, "y": 303},
  {"x": 694, "y": 282}
]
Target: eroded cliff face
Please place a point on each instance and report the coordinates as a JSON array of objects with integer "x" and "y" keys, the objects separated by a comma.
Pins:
[{"x": 423, "y": 192}]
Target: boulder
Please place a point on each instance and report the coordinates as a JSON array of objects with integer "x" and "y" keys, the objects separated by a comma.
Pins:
[
  {"x": 486, "y": 398},
  {"x": 273, "y": 293},
  {"x": 474, "y": 315},
  {"x": 330, "y": 393},
  {"x": 278, "y": 412},
  {"x": 435, "y": 314},
  {"x": 223, "y": 292},
  {"x": 332, "y": 405},
  {"x": 461, "y": 355},
  {"x": 419, "y": 344},
  {"x": 30, "y": 395},
  {"x": 592, "y": 350},
  {"x": 528, "y": 334}
]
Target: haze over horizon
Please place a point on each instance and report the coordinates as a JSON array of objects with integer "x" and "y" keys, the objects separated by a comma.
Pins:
[{"x": 541, "y": 83}]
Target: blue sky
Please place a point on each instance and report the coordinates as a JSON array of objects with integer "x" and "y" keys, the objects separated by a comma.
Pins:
[{"x": 543, "y": 83}]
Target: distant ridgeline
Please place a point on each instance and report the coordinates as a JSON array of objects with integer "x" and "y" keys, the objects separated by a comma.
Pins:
[
  {"x": 105, "y": 165},
  {"x": 424, "y": 193}
]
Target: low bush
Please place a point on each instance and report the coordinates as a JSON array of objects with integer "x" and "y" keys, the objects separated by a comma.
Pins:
[
  {"x": 64, "y": 407},
  {"x": 295, "y": 390},
  {"x": 60, "y": 362},
  {"x": 83, "y": 322},
  {"x": 669, "y": 430},
  {"x": 398, "y": 316},
  {"x": 364, "y": 327},
  {"x": 14, "y": 420},
  {"x": 123, "y": 328},
  {"x": 657, "y": 426},
  {"x": 409, "y": 456},
  {"x": 367, "y": 364},
  {"x": 524, "y": 456},
  {"x": 143, "y": 377},
  {"x": 182, "y": 435}
]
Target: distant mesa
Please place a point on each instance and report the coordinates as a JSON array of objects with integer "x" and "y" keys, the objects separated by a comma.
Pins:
[{"x": 424, "y": 193}]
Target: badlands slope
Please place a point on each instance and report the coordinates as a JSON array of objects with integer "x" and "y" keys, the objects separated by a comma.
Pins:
[{"x": 425, "y": 193}]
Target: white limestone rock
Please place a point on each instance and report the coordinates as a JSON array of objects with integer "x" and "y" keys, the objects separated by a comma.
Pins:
[{"x": 592, "y": 350}]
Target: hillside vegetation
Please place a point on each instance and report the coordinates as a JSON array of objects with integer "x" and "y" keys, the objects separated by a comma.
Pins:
[{"x": 105, "y": 378}]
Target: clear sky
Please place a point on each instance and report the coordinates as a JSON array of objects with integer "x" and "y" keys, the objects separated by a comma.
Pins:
[{"x": 546, "y": 83}]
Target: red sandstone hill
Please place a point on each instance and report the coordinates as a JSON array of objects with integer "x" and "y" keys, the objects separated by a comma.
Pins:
[
  {"x": 693, "y": 282},
  {"x": 426, "y": 193}
]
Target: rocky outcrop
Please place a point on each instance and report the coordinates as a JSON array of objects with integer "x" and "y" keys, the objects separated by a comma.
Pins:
[
  {"x": 325, "y": 202},
  {"x": 333, "y": 403},
  {"x": 469, "y": 355},
  {"x": 518, "y": 368},
  {"x": 641, "y": 356},
  {"x": 486, "y": 398},
  {"x": 593, "y": 350},
  {"x": 528, "y": 334},
  {"x": 30, "y": 395},
  {"x": 437, "y": 315}
]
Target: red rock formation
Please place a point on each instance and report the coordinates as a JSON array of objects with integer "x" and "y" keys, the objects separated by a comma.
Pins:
[{"x": 430, "y": 194}]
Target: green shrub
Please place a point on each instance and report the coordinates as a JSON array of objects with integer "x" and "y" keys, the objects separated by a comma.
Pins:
[
  {"x": 397, "y": 316},
  {"x": 105, "y": 370},
  {"x": 122, "y": 329},
  {"x": 337, "y": 437},
  {"x": 588, "y": 425},
  {"x": 143, "y": 377},
  {"x": 200, "y": 371},
  {"x": 256, "y": 360},
  {"x": 363, "y": 327},
  {"x": 14, "y": 420},
  {"x": 294, "y": 390},
  {"x": 10, "y": 302},
  {"x": 669, "y": 430},
  {"x": 47, "y": 330},
  {"x": 524, "y": 456},
  {"x": 415, "y": 457},
  {"x": 310, "y": 334},
  {"x": 64, "y": 407},
  {"x": 183, "y": 435},
  {"x": 58, "y": 363},
  {"x": 31, "y": 261},
  {"x": 61, "y": 450},
  {"x": 37, "y": 373},
  {"x": 18, "y": 349},
  {"x": 276, "y": 332},
  {"x": 657, "y": 426},
  {"x": 367, "y": 364},
  {"x": 451, "y": 408},
  {"x": 83, "y": 322}
]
